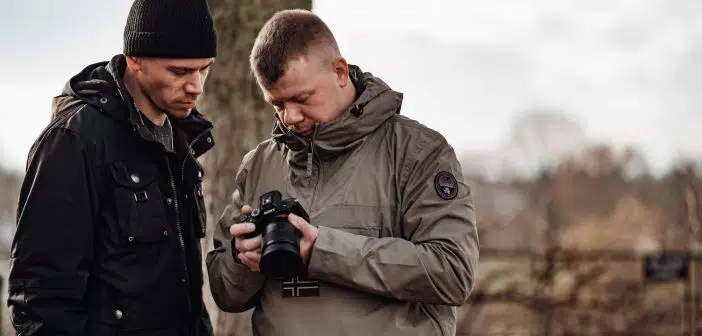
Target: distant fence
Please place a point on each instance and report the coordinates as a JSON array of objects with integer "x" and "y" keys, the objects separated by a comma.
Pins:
[{"x": 608, "y": 292}]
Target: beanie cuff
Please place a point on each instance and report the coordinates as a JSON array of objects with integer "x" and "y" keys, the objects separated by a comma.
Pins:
[{"x": 170, "y": 44}]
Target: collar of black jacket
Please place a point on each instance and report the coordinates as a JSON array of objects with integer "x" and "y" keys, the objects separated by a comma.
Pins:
[{"x": 101, "y": 85}]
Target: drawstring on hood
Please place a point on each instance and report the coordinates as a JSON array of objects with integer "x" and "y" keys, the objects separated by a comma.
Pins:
[{"x": 310, "y": 152}]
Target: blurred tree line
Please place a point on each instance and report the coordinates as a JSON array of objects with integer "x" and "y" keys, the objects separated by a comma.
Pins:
[{"x": 562, "y": 254}]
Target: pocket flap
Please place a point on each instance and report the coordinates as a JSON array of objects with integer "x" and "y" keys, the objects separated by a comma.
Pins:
[{"x": 134, "y": 175}]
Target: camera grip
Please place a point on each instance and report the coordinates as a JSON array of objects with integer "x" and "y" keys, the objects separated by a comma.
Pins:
[{"x": 246, "y": 219}]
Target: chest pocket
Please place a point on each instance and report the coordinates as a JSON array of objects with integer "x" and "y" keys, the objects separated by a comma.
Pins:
[
  {"x": 370, "y": 221},
  {"x": 140, "y": 211}
]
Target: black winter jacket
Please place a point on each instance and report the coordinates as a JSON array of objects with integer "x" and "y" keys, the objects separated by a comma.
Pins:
[{"x": 109, "y": 223}]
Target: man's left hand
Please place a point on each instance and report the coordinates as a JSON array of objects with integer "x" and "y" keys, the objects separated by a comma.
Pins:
[{"x": 309, "y": 235}]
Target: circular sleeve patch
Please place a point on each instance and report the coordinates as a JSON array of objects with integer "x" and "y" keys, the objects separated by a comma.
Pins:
[{"x": 446, "y": 185}]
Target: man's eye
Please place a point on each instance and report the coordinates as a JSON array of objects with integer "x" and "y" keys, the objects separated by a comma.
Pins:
[{"x": 179, "y": 72}]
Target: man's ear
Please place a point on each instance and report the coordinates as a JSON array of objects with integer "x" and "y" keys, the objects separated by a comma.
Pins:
[
  {"x": 341, "y": 68},
  {"x": 133, "y": 63}
]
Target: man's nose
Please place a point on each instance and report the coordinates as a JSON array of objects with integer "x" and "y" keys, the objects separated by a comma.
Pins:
[
  {"x": 292, "y": 115},
  {"x": 195, "y": 84}
]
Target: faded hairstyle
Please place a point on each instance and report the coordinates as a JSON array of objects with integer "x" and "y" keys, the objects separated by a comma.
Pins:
[{"x": 287, "y": 35}]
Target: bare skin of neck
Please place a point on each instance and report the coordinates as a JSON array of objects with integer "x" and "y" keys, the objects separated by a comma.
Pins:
[{"x": 153, "y": 113}]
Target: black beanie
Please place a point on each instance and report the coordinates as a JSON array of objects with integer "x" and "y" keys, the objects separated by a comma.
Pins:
[{"x": 170, "y": 29}]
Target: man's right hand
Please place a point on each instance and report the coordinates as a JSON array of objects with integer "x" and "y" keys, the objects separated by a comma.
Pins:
[{"x": 249, "y": 250}]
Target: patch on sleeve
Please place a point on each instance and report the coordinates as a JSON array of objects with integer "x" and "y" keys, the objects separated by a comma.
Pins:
[{"x": 446, "y": 185}]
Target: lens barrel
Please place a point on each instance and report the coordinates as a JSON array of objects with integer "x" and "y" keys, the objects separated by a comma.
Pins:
[{"x": 280, "y": 258}]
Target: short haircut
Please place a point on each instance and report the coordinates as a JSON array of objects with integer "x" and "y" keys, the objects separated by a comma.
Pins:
[{"x": 287, "y": 35}]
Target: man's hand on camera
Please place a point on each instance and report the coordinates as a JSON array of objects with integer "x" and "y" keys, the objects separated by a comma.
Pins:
[
  {"x": 309, "y": 235},
  {"x": 249, "y": 250}
]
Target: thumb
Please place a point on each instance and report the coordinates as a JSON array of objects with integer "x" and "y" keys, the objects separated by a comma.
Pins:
[
  {"x": 297, "y": 222},
  {"x": 246, "y": 210}
]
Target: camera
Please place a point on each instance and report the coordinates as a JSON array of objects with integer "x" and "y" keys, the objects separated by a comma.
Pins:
[{"x": 280, "y": 250}]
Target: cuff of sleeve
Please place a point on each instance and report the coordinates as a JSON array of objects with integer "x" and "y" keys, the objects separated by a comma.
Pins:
[
  {"x": 232, "y": 284},
  {"x": 334, "y": 254},
  {"x": 232, "y": 263}
]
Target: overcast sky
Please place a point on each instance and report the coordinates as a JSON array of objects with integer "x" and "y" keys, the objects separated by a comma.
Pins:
[{"x": 628, "y": 71}]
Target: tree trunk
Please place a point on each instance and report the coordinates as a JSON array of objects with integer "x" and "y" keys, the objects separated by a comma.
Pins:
[{"x": 241, "y": 119}]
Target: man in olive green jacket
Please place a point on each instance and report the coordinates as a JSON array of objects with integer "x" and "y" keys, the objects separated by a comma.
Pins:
[{"x": 391, "y": 247}]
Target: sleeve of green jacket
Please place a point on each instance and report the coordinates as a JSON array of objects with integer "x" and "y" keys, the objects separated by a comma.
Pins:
[
  {"x": 435, "y": 258},
  {"x": 234, "y": 287}
]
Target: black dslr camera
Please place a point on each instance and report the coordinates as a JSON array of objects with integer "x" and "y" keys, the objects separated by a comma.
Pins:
[{"x": 280, "y": 250}]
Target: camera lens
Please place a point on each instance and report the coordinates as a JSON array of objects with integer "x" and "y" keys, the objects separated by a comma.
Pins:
[{"x": 281, "y": 251}]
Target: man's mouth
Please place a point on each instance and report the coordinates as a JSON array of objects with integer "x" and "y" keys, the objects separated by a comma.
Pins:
[
  {"x": 189, "y": 104},
  {"x": 305, "y": 132}
]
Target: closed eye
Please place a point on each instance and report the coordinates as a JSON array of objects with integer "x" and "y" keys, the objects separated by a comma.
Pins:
[
  {"x": 277, "y": 104},
  {"x": 179, "y": 71}
]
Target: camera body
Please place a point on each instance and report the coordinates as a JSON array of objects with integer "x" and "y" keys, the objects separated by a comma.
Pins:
[{"x": 280, "y": 249}]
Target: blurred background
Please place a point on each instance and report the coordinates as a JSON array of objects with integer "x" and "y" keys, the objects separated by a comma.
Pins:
[{"x": 576, "y": 121}]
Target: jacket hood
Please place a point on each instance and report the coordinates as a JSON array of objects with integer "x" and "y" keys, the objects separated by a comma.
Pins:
[
  {"x": 87, "y": 86},
  {"x": 100, "y": 85},
  {"x": 375, "y": 104}
]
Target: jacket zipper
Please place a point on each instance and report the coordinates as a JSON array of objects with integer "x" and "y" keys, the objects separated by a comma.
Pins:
[
  {"x": 182, "y": 168},
  {"x": 179, "y": 227},
  {"x": 311, "y": 155},
  {"x": 179, "y": 230}
]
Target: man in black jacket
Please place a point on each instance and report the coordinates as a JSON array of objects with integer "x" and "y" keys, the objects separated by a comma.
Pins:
[{"x": 111, "y": 211}]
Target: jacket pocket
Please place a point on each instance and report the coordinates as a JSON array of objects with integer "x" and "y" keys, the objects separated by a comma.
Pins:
[
  {"x": 369, "y": 221},
  {"x": 139, "y": 203}
]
